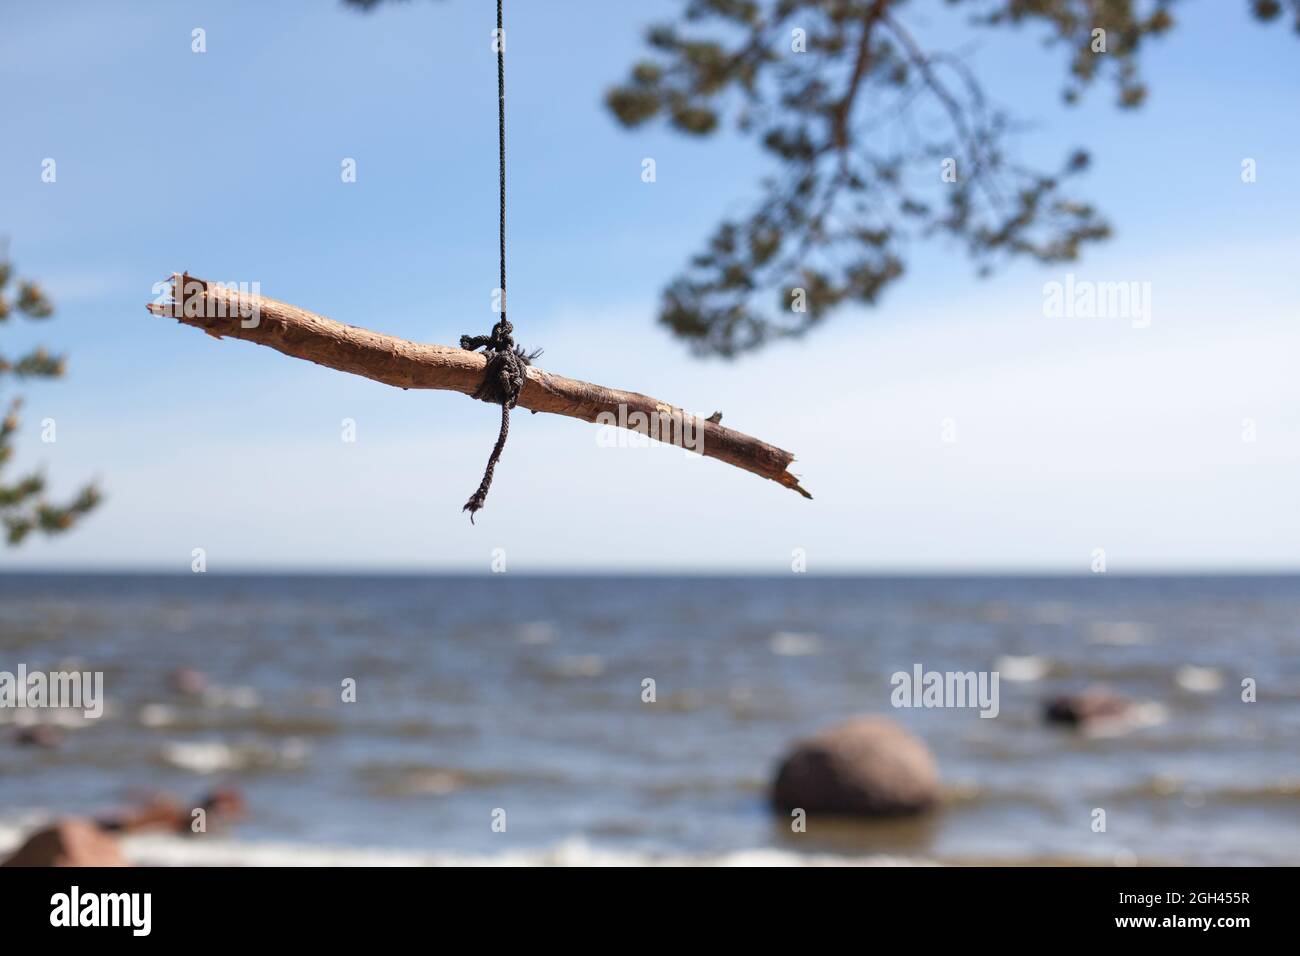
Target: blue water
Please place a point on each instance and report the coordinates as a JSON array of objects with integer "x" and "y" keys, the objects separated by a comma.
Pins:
[{"x": 525, "y": 694}]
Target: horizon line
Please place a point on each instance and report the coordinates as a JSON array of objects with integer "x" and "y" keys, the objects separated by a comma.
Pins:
[{"x": 651, "y": 572}]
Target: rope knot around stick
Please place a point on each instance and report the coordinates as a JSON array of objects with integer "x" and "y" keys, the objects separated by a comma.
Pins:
[{"x": 503, "y": 380}]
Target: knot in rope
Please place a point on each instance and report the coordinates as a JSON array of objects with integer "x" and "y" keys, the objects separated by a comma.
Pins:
[{"x": 503, "y": 380}]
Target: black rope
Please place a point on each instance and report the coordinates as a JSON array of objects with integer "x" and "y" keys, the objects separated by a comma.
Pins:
[{"x": 504, "y": 375}]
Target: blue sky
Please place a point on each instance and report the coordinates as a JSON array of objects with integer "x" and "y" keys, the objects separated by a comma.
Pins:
[{"x": 1072, "y": 434}]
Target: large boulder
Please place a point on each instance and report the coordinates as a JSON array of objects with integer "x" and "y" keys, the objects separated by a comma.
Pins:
[
  {"x": 867, "y": 766},
  {"x": 68, "y": 843}
]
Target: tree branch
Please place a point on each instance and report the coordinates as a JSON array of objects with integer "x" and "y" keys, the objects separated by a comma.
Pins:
[{"x": 227, "y": 312}]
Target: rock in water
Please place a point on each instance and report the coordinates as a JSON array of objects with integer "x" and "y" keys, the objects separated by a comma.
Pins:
[
  {"x": 867, "y": 766},
  {"x": 68, "y": 843},
  {"x": 1096, "y": 704},
  {"x": 38, "y": 735}
]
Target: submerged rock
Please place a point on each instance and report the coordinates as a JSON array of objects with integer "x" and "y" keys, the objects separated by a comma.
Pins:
[
  {"x": 866, "y": 766},
  {"x": 1096, "y": 704},
  {"x": 68, "y": 843},
  {"x": 188, "y": 681},
  {"x": 38, "y": 735},
  {"x": 163, "y": 813}
]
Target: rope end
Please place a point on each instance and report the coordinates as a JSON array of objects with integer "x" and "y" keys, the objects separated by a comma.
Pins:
[{"x": 474, "y": 504}]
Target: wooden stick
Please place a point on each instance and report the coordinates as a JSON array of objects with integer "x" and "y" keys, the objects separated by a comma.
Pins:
[{"x": 223, "y": 310}]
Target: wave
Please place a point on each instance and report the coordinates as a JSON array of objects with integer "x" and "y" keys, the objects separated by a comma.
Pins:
[
  {"x": 792, "y": 644},
  {"x": 210, "y": 756},
  {"x": 576, "y": 851},
  {"x": 414, "y": 780},
  {"x": 1166, "y": 785},
  {"x": 1022, "y": 668},
  {"x": 155, "y": 850}
]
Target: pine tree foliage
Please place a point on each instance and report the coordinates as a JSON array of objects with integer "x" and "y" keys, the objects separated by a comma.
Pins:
[
  {"x": 23, "y": 505},
  {"x": 876, "y": 142}
]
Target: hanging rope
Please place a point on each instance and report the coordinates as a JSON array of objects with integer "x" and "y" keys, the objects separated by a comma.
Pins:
[{"x": 503, "y": 377}]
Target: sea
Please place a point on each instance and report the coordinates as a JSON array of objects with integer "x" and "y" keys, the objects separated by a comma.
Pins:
[{"x": 639, "y": 720}]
